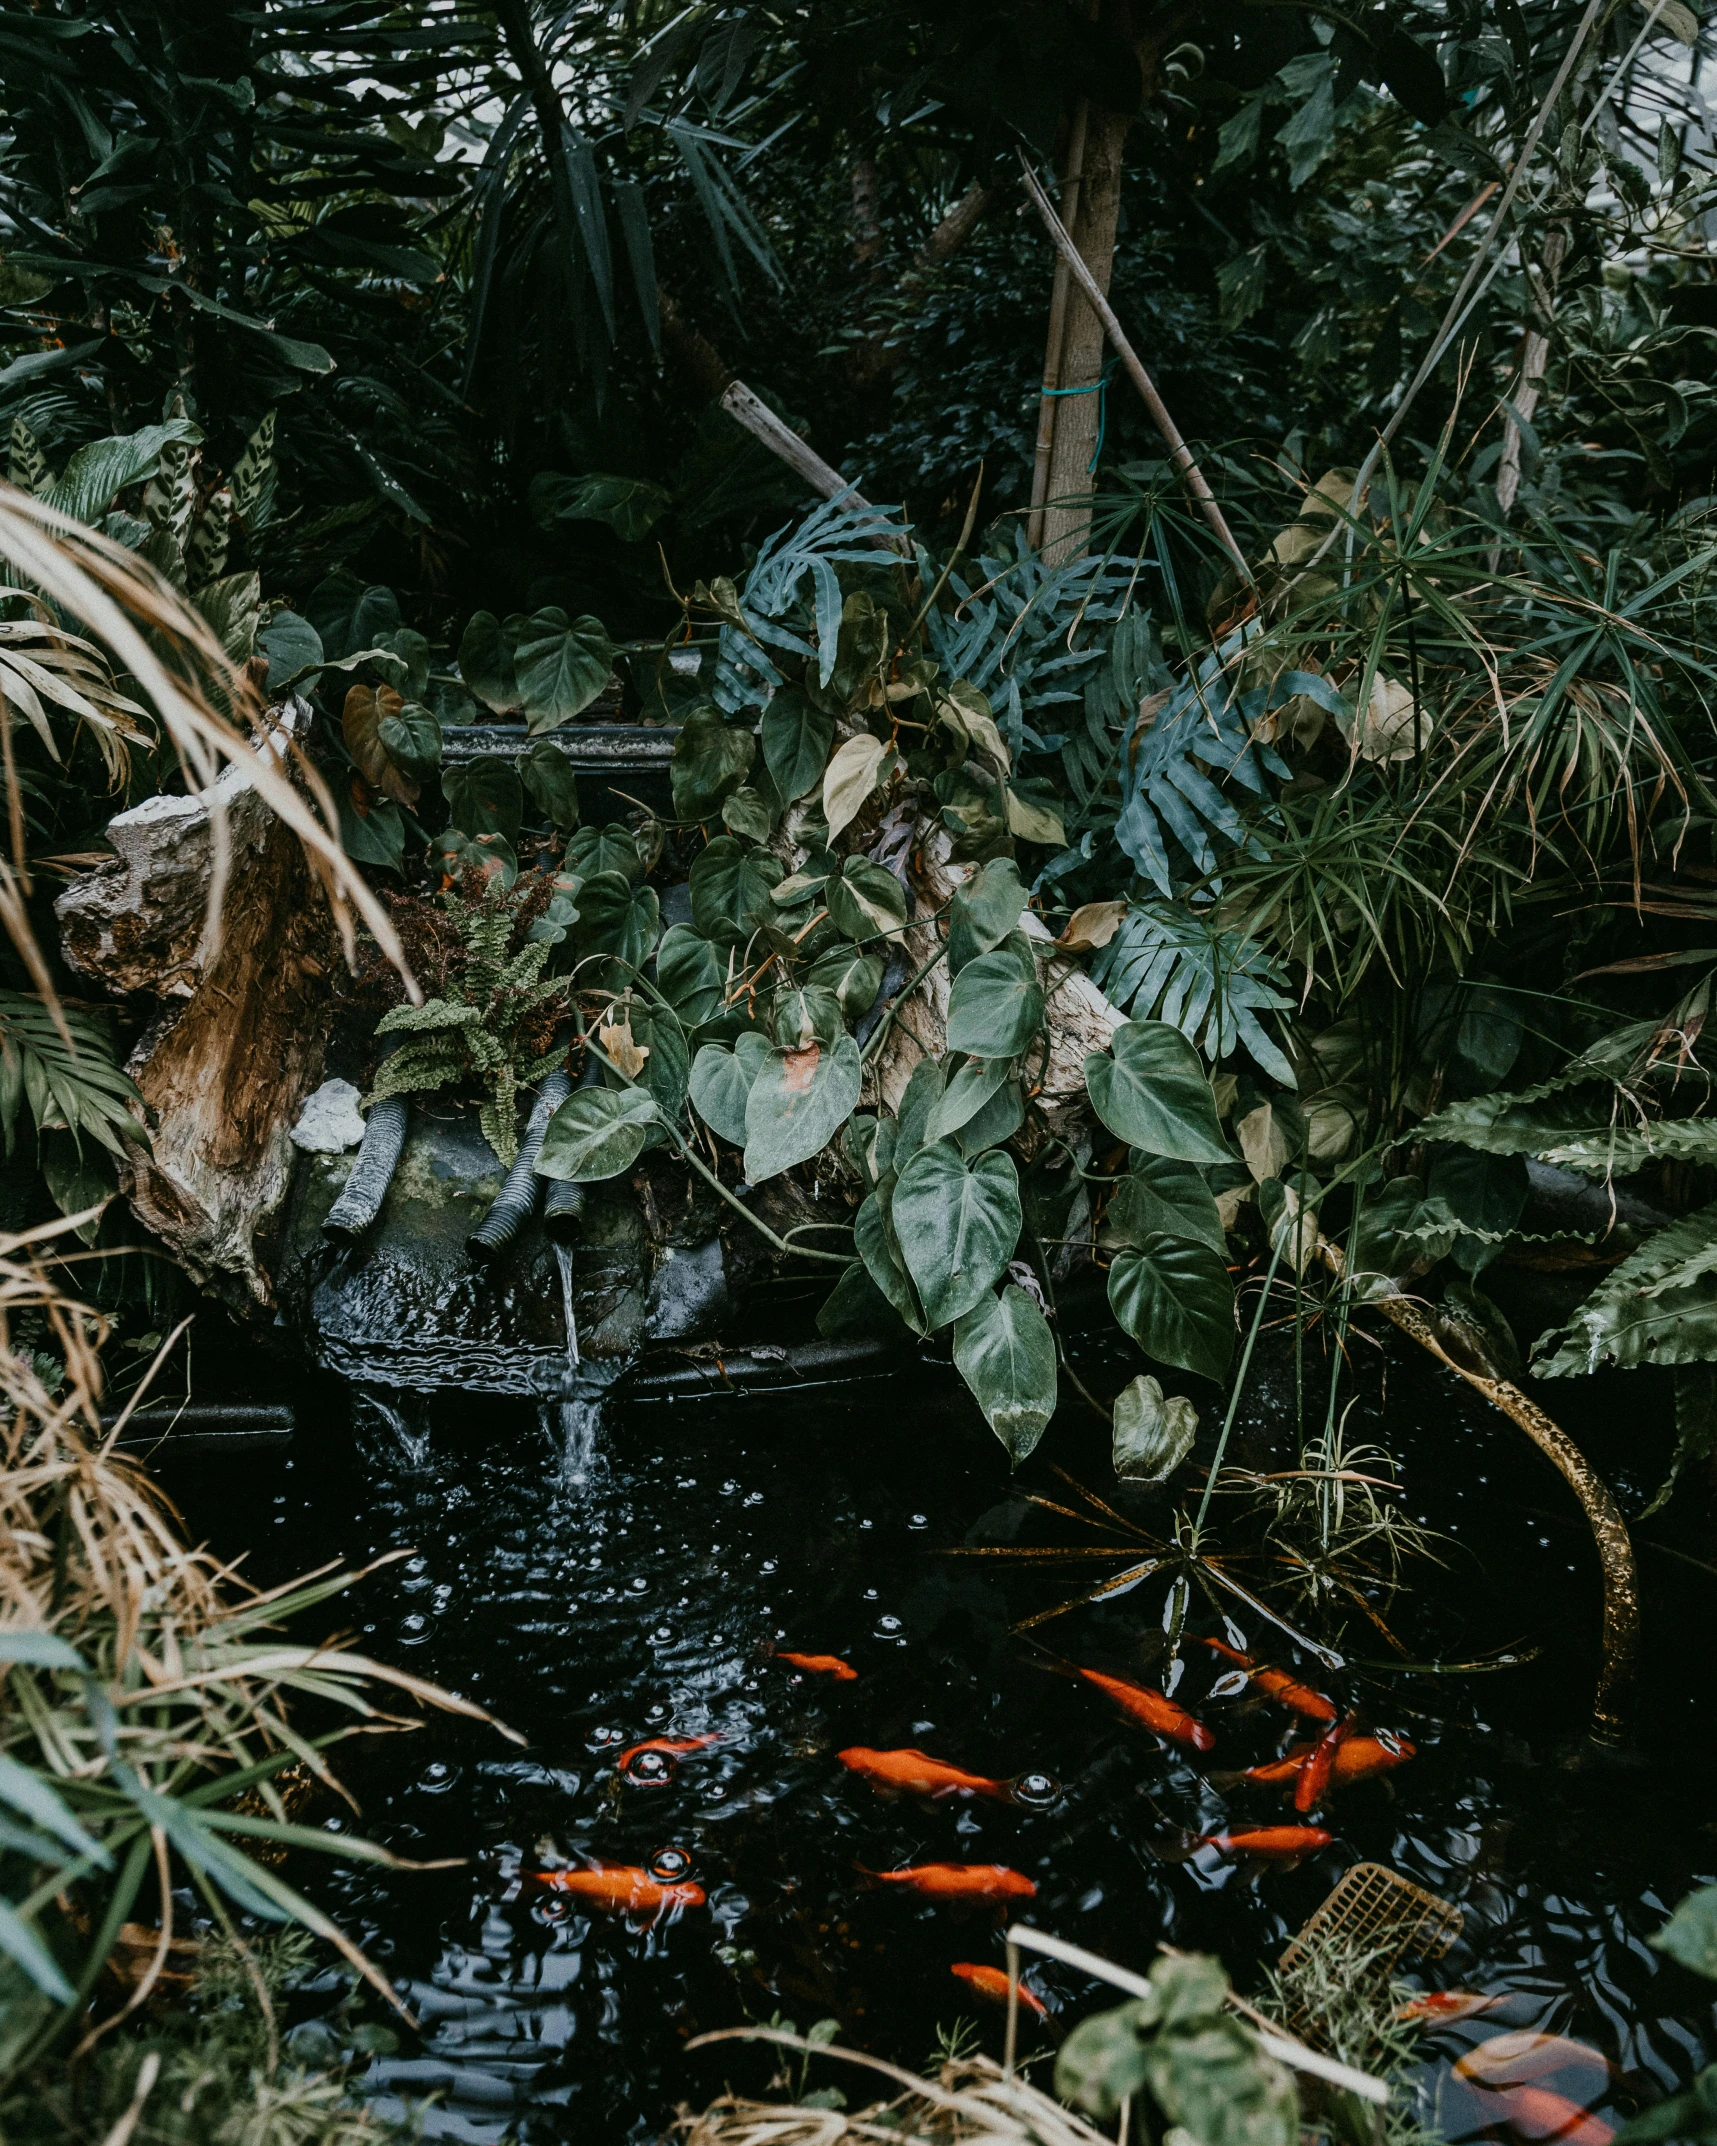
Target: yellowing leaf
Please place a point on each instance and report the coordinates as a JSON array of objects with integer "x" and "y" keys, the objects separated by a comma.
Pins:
[
  {"x": 360, "y": 725},
  {"x": 1388, "y": 731},
  {"x": 626, "y": 1055},
  {"x": 850, "y": 778},
  {"x": 1032, "y": 820},
  {"x": 1090, "y": 926},
  {"x": 1264, "y": 1143}
]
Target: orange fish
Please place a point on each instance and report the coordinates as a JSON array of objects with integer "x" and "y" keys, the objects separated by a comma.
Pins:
[
  {"x": 820, "y": 1665},
  {"x": 622, "y": 1889},
  {"x": 671, "y": 1746},
  {"x": 991, "y": 1982},
  {"x": 1534, "y": 2112},
  {"x": 1314, "y": 1780},
  {"x": 919, "y": 1774},
  {"x": 1140, "y": 1703},
  {"x": 1281, "y": 1687},
  {"x": 1357, "y": 1758},
  {"x": 959, "y": 1881},
  {"x": 1275, "y": 1843},
  {"x": 1444, "y": 2007}
]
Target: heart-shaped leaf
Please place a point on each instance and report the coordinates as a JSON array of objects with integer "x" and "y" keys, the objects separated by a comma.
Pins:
[
  {"x": 486, "y": 662},
  {"x": 1150, "y": 1090},
  {"x": 721, "y": 1082},
  {"x": 965, "y": 1095},
  {"x": 1005, "y": 1352},
  {"x": 857, "y": 1306},
  {"x": 485, "y": 797},
  {"x": 596, "y": 1133},
  {"x": 983, "y": 912},
  {"x": 854, "y": 978},
  {"x": 799, "y": 1101},
  {"x": 411, "y": 739},
  {"x": 850, "y": 777},
  {"x": 291, "y": 645},
  {"x": 746, "y": 811},
  {"x": 711, "y": 756},
  {"x": 957, "y": 1223},
  {"x": 1152, "y": 1435},
  {"x": 549, "y": 777},
  {"x": 804, "y": 1013},
  {"x": 1033, "y": 818},
  {"x": 729, "y": 887},
  {"x": 999, "y": 1118},
  {"x": 689, "y": 975},
  {"x": 996, "y": 1006},
  {"x": 561, "y": 665},
  {"x": 1175, "y": 1299},
  {"x": 796, "y": 741},
  {"x": 613, "y": 848},
  {"x": 866, "y": 901},
  {"x": 873, "y": 1240},
  {"x": 1171, "y": 1197},
  {"x": 617, "y": 918},
  {"x": 366, "y": 707}
]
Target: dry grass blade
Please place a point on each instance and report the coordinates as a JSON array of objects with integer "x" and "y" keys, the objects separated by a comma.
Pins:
[{"x": 122, "y": 602}]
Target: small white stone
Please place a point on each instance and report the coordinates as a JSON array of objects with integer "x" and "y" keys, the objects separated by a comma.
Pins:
[{"x": 330, "y": 1121}]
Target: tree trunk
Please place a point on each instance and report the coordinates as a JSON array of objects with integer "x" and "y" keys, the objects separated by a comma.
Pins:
[
  {"x": 1068, "y": 496},
  {"x": 1072, "y": 176},
  {"x": 1535, "y": 356}
]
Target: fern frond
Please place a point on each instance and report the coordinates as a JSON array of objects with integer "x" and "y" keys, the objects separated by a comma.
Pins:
[
  {"x": 431, "y": 1062},
  {"x": 433, "y": 1015}
]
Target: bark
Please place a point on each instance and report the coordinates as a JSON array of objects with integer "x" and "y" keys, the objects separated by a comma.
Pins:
[
  {"x": 1068, "y": 494},
  {"x": 705, "y": 367},
  {"x": 1535, "y": 356},
  {"x": 1072, "y": 177},
  {"x": 240, "y": 1041}
]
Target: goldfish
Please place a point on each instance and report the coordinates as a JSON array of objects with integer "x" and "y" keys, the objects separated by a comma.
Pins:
[
  {"x": 991, "y": 1982},
  {"x": 1281, "y": 1687},
  {"x": 669, "y": 1746},
  {"x": 1140, "y": 1703},
  {"x": 1444, "y": 2007},
  {"x": 959, "y": 1881},
  {"x": 919, "y": 1774},
  {"x": 1515, "y": 2059},
  {"x": 622, "y": 1889},
  {"x": 1534, "y": 2112},
  {"x": 1357, "y": 1758},
  {"x": 820, "y": 1665},
  {"x": 1314, "y": 1779},
  {"x": 1275, "y": 1843}
]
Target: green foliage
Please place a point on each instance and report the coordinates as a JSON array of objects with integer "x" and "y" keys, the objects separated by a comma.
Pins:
[{"x": 1151, "y": 1435}]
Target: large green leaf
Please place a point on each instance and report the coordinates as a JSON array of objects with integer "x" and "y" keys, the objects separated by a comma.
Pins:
[
  {"x": 799, "y": 1101},
  {"x": 1175, "y": 1299},
  {"x": 486, "y": 662},
  {"x": 548, "y": 776},
  {"x": 631, "y": 506},
  {"x": 983, "y": 912},
  {"x": 690, "y": 975},
  {"x": 965, "y": 1095},
  {"x": 1151, "y": 1434},
  {"x": 667, "y": 1070},
  {"x": 866, "y": 901},
  {"x": 1161, "y": 1195},
  {"x": 711, "y": 757},
  {"x": 874, "y": 1241},
  {"x": 617, "y": 918},
  {"x": 857, "y": 1306},
  {"x": 596, "y": 1133},
  {"x": 721, "y": 1082},
  {"x": 1217, "y": 2086},
  {"x": 485, "y": 797},
  {"x": 1150, "y": 1090},
  {"x": 291, "y": 645},
  {"x": 995, "y": 1121},
  {"x": 1658, "y": 1307},
  {"x": 1690, "y": 1935},
  {"x": 796, "y": 741},
  {"x": 730, "y": 886},
  {"x": 613, "y": 848},
  {"x": 995, "y": 1007},
  {"x": 411, "y": 738},
  {"x": 1005, "y": 1352},
  {"x": 348, "y": 616},
  {"x": 957, "y": 1223},
  {"x": 97, "y": 473},
  {"x": 854, "y": 978},
  {"x": 561, "y": 665}
]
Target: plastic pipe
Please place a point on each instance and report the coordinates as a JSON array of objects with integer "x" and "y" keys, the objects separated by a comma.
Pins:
[
  {"x": 516, "y": 1201},
  {"x": 372, "y": 1173}
]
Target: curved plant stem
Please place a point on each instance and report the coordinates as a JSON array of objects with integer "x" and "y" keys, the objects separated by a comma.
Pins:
[
  {"x": 900, "y": 998},
  {"x": 1239, "y": 1384}
]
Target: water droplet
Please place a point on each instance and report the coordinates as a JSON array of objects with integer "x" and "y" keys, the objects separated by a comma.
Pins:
[
  {"x": 656, "y": 1713},
  {"x": 716, "y": 1793},
  {"x": 637, "y": 1584},
  {"x": 1037, "y": 1790},
  {"x": 411, "y": 1627},
  {"x": 436, "y": 1777},
  {"x": 768, "y": 1565},
  {"x": 651, "y": 1769},
  {"x": 919, "y": 1520},
  {"x": 669, "y": 1864},
  {"x": 887, "y": 1624},
  {"x": 660, "y": 1636},
  {"x": 871, "y": 1594},
  {"x": 730, "y": 1488},
  {"x": 599, "y": 1737}
]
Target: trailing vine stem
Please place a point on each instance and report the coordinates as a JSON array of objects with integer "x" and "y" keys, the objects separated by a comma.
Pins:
[{"x": 900, "y": 998}]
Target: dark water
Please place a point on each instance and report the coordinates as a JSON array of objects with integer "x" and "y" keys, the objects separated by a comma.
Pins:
[{"x": 645, "y": 1601}]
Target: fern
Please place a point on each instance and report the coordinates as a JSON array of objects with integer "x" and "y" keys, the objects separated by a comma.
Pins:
[{"x": 1178, "y": 966}]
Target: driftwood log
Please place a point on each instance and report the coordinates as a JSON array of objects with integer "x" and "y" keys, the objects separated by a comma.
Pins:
[{"x": 239, "y": 1041}]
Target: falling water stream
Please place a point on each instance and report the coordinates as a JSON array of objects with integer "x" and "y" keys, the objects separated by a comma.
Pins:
[{"x": 593, "y": 1609}]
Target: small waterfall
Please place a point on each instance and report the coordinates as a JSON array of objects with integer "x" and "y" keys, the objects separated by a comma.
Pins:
[
  {"x": 393, "y": 1426},
  {"x": 563, "y": 1260}
]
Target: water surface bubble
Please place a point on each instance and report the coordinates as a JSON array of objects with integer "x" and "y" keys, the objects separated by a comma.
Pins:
[
  {"x": 670, "y": 1864},
  {"x": 651, "y": 1769},
  {"x": 1037, "y": 1790}
]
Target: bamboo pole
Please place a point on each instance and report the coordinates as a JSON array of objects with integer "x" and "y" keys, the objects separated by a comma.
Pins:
[
  {"x": 1179, "y": 453},
  {"x": 1073, "y": 172}
]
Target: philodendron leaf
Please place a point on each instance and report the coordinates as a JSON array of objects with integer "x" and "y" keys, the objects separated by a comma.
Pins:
[
  {"x": 996, "y": 1006},
  {"x": 965, "y": 1095},
  {"x": 1005, "y": 1352},
  {"x": 721, "y": 1083},
  {"x": 799, "y": 1101},
  {"x": 874, "y": 1242},
  {"x": 485, "y": 797},
  {"x": 1158, "y": 1194},
  {"x": 957, "y": 1222},
  {"x": 411, "y": 737},
  {"x": 729, "y": 888},
  {"x": 1150, "y": 1090},
  {"x": 1101, "y": 2065},
  {"x": 866, "y": 901},
  {"x": 561, "y": 665},
  {"x": 548, "y": 776},
  {"x": 850, "y": 778},
  {"x": 1216, "y": 2085},
  {"x": 854, "y": 978},
  {"x": 486, "y": 662},
  {"x": 796, "y": 741},
  {"x": 1152, "y": 1435},
  {"x": 711, "y": 756},
  {"x": 983, "y": 912},
  {"x": 689, "y": 975},
  {"x": 1175, "y": 1299},
  {"x": 596, "y": 1133},
  {"x": 366, "y": 709}
]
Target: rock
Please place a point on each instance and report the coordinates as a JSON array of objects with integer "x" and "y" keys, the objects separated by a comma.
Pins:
[{"x": 330, "y": 1121}]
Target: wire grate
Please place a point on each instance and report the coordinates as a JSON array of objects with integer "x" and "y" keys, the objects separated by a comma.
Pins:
[{"x": 1374, "y": 1917}]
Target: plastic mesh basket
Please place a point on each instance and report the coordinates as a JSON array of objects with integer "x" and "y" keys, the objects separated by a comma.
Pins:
[{"x": 1376, "y": 1916}]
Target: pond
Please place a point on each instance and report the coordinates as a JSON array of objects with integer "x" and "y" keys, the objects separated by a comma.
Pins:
[{"x": 642, "y": 1592}]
